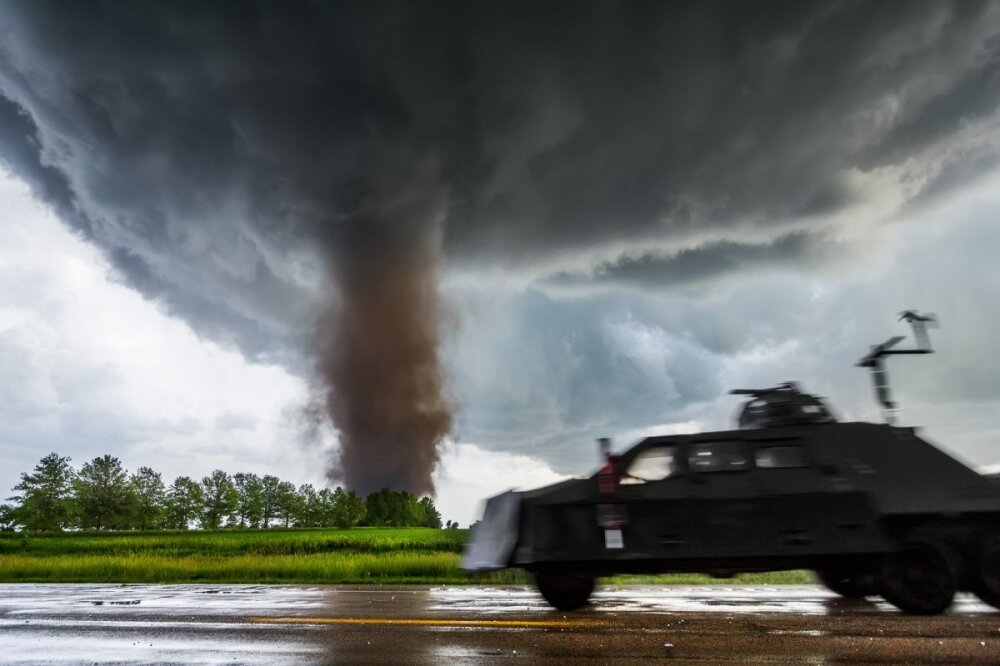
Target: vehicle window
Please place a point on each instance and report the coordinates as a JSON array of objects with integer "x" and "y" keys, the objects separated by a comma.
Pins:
[
  {"x": 781, "y": 457},
  {"x": 719, "y": 457},
  {"x": 652, "y": 464}
]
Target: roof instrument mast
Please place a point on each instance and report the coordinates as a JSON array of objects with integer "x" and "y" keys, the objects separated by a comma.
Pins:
[{"x": 875, "y": 362}]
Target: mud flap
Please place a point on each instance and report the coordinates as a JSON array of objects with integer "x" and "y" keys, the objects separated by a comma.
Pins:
[{"x": 493, "y": 539}]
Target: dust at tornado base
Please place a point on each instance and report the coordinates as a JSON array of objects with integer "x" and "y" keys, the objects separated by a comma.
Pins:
[{"x": 216, "y": 624}]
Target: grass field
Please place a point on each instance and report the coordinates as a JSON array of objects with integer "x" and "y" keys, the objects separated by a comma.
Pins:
[{"x": 363, "y": 555}]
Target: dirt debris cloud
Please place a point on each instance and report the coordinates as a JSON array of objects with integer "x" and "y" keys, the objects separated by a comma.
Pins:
[{"x": 378, "y": 343}]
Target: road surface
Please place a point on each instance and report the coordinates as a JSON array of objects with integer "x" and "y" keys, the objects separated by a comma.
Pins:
[{"x": 245, "y": 624}]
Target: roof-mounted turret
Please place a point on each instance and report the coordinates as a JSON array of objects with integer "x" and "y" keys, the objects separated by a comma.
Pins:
[{"x": 781, "y": 405}]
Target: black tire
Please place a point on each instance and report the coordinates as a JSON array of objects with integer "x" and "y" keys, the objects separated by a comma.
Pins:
[
  {"x": 848, "y": 584},
  {"x": 565, "y": 590},
  {"x": 920, "y": 577},
  {"x": 986, "y": 583}
]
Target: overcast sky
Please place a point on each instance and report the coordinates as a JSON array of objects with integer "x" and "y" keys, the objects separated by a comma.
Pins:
[{"x": 610, "y": 216}]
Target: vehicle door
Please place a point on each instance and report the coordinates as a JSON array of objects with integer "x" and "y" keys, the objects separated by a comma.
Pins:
[
  {"x": 723, "y": 500},
  {"x": 803, "y": 510},
  {"x": 654, "y": 493}
]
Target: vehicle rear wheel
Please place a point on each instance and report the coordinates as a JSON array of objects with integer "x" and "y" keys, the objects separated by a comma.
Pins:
[
  {"x": 987, "y": 576},
  {"x": 566, "y": 590},
  {"x": 919, "y": 577},
  {"x": 848, "y": 584}
]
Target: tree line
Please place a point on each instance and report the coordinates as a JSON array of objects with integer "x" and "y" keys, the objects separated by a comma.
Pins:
[{"x": 102, "y": 495}]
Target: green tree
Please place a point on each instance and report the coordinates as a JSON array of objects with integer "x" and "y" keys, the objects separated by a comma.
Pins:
[
  {"x": 430, "y": 517},
  {"x": 149, "y": 510},
  {"x": 184, "y": 503},
  {"x": 378, "y": 508},
  {"x": 309, "y": 507},
  {"x": 287, "y": 503},
  {"x": 250, "y": 499},
  {"x": 349, "y": 509},
  {"x": 8, "y": 518},
  {"x": 326, "y": 508},
  {"x": 219, "y": 499},
  {"x": 388, "y": 508},
  {"x": 269, "y": 498},
  {"x": 46, "y": 499},
  {"x": 104, "y": 496}
]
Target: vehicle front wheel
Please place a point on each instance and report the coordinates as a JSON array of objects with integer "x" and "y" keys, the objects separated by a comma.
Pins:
[
  {"x": 566, "y": 590},
  {"x": 919, "y": 578},
  {"x": 848, "y": 584},
  {"x": 987, "y": 581}
]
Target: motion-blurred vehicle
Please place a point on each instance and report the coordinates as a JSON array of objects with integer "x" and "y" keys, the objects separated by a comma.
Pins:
[{"x": 871, "y": 508}]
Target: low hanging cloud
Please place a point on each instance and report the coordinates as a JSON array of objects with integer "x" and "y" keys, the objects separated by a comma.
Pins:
[
  {"x": 694, "y": 266},
  {"x": 295, "y": 178}
]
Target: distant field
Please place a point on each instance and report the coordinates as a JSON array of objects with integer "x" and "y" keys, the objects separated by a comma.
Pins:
[{"x": 361, "y": 555}]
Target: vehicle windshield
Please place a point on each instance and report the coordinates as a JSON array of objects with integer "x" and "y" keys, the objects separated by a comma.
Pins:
[{"x": 654, "y": 464}]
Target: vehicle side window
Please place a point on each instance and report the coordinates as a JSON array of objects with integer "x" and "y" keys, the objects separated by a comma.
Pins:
[
  {"x": 719, "y": 457},
  {"x": 781, "y": 457},
  {"x": 653, "y": 464}
]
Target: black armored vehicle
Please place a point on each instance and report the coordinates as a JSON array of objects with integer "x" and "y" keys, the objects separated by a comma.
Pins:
[{"x": 871, "y": 508}]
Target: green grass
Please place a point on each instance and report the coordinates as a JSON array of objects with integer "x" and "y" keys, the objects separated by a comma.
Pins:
[
  {"x": 237, "y": 542},
  {"x": 362, "y": 555},
  {"x": 337, "y": 568}
]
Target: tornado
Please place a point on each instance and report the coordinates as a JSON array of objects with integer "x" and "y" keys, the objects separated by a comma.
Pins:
[{"x": 379, "y": 359}]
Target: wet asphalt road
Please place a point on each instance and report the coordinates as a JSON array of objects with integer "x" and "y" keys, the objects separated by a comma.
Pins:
[{"x": 226, "y": 624}]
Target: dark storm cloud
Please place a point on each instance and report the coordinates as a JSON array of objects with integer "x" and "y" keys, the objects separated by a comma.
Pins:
[
  {"x": 711, "y": 260},
  {"x": 19, "y": 146},
  {"x": 555, "y": 127},
  {"x": 248, "y": 163}
]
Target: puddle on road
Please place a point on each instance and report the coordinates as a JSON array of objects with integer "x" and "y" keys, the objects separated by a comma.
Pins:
[
  {"x": 784, "y": 599},
  {"x": 88, "y": 648},
  {"x": 42, "y": 599},
  {"x": 235, "y": 601}
]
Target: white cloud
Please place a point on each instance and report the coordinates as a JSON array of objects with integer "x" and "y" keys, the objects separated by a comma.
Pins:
[
  {"x": 90, "y": 367},
  {"x": 469, "y": 474}
]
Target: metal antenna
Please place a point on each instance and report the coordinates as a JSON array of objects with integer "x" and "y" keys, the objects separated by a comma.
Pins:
[
  {"x": 875, "y": 362},
  {"x": 920, "y": 323}
]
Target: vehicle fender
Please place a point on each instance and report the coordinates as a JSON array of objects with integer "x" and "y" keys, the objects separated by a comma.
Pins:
[{"x": 493, "y": 540}]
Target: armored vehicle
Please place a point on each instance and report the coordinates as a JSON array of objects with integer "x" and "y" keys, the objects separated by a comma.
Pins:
[{"x": 871, "y": 508}]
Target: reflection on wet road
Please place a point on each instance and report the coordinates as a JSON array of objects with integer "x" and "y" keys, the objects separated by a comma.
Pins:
[{"x": 68, "y": 624}]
